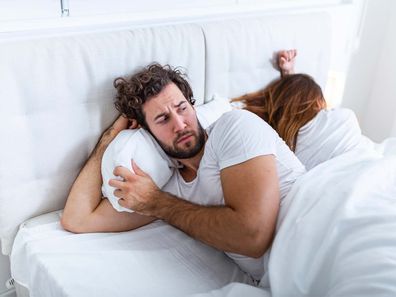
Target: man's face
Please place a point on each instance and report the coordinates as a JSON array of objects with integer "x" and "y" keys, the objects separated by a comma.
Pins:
[{"x": 174, "y": 124}]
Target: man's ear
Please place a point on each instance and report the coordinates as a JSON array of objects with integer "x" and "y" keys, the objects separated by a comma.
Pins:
[{"x": 133, "y": 124}]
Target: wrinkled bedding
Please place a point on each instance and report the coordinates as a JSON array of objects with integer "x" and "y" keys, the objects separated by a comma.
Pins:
[{"x": 336, "y": 231}]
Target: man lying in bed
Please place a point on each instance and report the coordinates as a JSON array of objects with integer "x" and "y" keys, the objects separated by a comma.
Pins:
[{"x": 227, "y": 185}]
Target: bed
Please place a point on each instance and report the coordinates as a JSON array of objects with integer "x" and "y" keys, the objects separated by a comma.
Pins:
[{"x": 337, "y": 214}]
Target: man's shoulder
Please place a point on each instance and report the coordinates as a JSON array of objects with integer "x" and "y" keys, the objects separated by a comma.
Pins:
[
  {"x": 238, "y": 114},
  {"x": 239, "y": 136},
  {"x": 237, "y": 117},
  {"x": 241, "y": 125},
  {"x": 239, "y": 120}
]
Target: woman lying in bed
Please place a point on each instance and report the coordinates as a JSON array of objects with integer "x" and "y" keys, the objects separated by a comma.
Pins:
[{"x": 295, "y": 107}]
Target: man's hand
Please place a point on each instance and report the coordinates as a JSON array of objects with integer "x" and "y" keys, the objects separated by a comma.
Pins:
[
  {"x": 121, "y": 123},
  {"x": 286, "y": 60},
  {"x": 137, "y": 191}
]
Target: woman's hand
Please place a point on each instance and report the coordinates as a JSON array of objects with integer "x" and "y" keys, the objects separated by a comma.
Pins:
[{"x": 285, "y": 60}]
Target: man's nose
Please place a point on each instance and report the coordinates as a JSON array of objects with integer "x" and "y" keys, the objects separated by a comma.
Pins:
[{"x": 178, "y": 123}]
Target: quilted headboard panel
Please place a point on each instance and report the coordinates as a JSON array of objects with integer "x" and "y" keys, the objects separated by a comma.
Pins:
[
  {"x": 239, "y": 52},
  {"x": 56, "y": 97},
  {"x": 56, "y": 94}
]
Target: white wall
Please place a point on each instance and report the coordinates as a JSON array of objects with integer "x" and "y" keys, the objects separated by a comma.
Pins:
[
  {"x": 345, "y": 35},
  {"x": 379, "y": 117},
  {"x": 26, "y": 17},
  {"x": 370, "y": 88}
]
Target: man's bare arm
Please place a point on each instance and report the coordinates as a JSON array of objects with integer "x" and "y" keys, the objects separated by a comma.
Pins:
[
  {"x": 244, "y": 225},
  {"x": 85, "y": 210}
]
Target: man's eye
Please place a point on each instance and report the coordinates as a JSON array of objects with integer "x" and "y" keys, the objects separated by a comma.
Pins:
[{"x": 163, "y": 120}]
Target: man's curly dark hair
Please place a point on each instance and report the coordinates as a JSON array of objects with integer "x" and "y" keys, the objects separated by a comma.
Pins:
[{"x": 150, "y": 81}]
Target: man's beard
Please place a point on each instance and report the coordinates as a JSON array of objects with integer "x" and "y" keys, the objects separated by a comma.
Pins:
[{"x": 189, "y": 152}]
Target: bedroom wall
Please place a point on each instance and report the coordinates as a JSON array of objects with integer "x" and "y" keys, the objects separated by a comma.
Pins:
[
  {"x": 370, "y": 88},
  {"x": 379, "y": 118}
]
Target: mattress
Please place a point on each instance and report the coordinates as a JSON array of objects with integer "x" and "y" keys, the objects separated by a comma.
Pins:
[{"x": 154, "y": 260}]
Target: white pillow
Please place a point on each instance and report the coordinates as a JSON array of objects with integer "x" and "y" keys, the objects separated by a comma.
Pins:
[
  {"x": 209, "y": 112},
  {"x": 140, "y": 146}
]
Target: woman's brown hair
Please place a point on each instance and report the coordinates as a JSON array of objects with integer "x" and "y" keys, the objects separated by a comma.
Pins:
[{"x": 286, "y": 104}]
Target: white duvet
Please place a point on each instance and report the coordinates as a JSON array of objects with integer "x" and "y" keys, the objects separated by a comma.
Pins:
[
  {"x": 336, "y": 237},
  {"x": 336, "y": 231}
]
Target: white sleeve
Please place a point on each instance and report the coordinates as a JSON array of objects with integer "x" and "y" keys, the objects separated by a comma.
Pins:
[{"x": 240, "y": 135}]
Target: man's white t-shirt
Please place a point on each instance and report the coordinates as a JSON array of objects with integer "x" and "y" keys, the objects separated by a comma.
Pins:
[
  {"x": 329, "y": 134},
  {"x": 236, "y": 137}
]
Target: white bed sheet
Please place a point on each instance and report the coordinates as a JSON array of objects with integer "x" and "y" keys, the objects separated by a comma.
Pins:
[{"x": 155, "y": 260}]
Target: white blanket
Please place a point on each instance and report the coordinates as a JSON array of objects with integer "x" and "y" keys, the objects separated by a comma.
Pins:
[
  {"x": 336, "y": 231},
  {"x": 338, "y": 237}
]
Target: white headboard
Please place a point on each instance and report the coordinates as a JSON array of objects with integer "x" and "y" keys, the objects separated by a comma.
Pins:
[
  {"x": 239, "y": 53},
  {"x": 56, "y": 94}
]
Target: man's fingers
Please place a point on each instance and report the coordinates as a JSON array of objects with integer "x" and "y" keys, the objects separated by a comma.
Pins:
[
  {"x": 116, "y": 183},
  {"x": 122, "y": 202},
  {"x": 118, "y": 193},
  {"x": 120, "y": 123},
  {"x": 123, "y": 172},
  {"x": 137, "y": 169}
]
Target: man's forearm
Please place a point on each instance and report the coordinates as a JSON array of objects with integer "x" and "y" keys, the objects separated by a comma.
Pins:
[{"x": 218, "y": 226}]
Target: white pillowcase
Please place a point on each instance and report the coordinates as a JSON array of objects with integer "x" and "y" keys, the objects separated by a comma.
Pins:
[
  {"x": 210, "y": 112},
  {"x": 140, "y": 146}
]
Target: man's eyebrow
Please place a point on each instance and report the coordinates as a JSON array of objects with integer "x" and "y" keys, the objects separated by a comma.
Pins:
[
  {"x": 160, "y": 115},
  {"x": 165, "y": 113},
  {"x": 180, "y": 103}
]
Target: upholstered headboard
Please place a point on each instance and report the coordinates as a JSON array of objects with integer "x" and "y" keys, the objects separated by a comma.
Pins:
[{"x": 56, "y": 93}]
